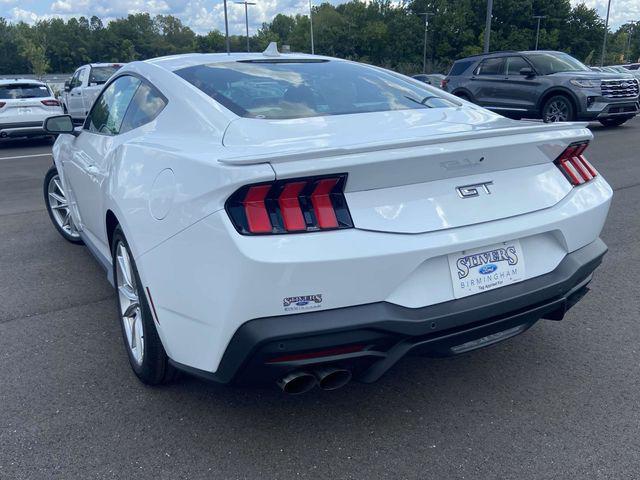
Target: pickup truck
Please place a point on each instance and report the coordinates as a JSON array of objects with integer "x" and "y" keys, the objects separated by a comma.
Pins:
[{"x": 84, "y": 86}]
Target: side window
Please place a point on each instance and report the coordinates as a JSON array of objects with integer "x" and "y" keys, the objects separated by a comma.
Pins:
[
  {"x": 147, "y": 103},
  {"x": 110, "y": 107},
  {"x": 74, "y": 80},
  {"x": 515, "y": 64},
  {"x": 82, "y": 76},
  {"x": 491, "y": 66}
]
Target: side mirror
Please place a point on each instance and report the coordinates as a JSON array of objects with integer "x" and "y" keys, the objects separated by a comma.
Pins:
[
  {"x": 527, "y": 72},
  {"x": 59, "y": 124},
  {"x": 66, "y": 85}
]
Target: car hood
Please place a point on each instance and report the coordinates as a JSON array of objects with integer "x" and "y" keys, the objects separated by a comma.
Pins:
[{"x": 593, "y": 75}]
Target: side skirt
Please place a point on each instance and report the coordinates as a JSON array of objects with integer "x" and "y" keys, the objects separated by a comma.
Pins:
[{"x": 103, "y": 260}]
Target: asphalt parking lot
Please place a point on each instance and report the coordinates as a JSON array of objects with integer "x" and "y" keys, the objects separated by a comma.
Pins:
[{"x": 561, "y": 401}]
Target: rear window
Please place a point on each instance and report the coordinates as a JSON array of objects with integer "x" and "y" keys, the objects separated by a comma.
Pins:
[
  {"x": 460, "y": 67},
  {"x": 100, "y": 75},
  {"x": 277, "y": 89},
  {"x": 23, "y": 90}
]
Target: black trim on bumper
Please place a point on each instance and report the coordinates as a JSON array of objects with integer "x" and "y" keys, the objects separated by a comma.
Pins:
[
  {"x": 9, "y": 130},
  {"x": 628, "y": 108},
  {"x": 388, "y": 331}
]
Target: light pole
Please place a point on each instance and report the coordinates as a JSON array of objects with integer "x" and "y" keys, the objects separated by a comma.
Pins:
[
  {"x": 313, "y": 51},
  {"x": 632, "y": 24},
  {"x": 487, "y": 26},
  {"x": 426, "y": 29},
  {"x": 606, "y": 30},
  {"x": 538, "y": 17},
  {"x": 246, "y": 19},
  {"x": 226, "y": 28}
]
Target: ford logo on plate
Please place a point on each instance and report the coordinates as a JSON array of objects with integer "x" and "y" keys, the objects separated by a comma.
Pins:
[
  {"x": 301, "y": 303},
  {"x": 487, "y": 269}
]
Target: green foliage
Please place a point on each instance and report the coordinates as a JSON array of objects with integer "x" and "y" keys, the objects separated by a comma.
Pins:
[{"x": 380, "y": 32}]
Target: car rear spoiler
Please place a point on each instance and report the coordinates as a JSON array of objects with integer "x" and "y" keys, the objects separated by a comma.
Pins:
[{"x": 298, "y": 154}]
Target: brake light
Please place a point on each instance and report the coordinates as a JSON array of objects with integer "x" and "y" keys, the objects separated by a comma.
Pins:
[
  {"x": 318, "y": 354},
  {"x": 50, "y": 103},
  {"x": 575, "y": 167},
  {"x": 290, "y": 206},
  {"x": 443, "y": 83}
]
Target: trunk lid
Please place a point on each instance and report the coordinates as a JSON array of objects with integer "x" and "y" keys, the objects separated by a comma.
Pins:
[{"x": 407, "y": 169}]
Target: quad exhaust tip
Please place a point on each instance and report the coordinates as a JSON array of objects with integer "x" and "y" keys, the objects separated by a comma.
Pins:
[
  {"x": 297, "y": 383},
  {"x": 332, "y": 378}
]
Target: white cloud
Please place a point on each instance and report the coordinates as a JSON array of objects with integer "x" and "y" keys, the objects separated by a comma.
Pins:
[
  {"x": 20, "y": 15},
  {"x": 621, "y": 12},
  {"x": 205, "y": 15},
  {"x": 201, "y": 15}
]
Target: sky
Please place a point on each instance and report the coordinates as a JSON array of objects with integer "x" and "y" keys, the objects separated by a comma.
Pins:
[{"x": 205, "y": 15}]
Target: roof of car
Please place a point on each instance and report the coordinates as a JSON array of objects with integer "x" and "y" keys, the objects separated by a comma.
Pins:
[
  {"x": 176, "y": 62},
  {"x": 106, "y": 64},
  {"x": 500, "y": 53},
  {"x": 8, "y": 81}
]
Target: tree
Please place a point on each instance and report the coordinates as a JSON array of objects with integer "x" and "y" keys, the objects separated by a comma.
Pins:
[{"x": 382, "y": 32}]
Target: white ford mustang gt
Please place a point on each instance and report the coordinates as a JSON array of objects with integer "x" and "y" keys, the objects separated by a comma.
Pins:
[{"x": 305, "y": 220}]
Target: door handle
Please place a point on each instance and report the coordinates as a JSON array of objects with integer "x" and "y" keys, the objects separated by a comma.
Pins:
[{"x": 92, "y": 170}]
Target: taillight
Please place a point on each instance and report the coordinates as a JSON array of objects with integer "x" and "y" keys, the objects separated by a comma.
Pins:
[
  {"x": 290, "y": 206},
  {"x": 50, "y": 103},
  {"x": 443, "y": 83},
  {"x": 575, "y": 167}
]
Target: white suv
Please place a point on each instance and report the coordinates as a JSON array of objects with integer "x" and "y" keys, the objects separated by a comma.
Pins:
[{"x": 24, "y": 104}]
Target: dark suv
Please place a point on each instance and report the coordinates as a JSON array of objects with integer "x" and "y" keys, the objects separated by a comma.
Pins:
[{"x": 550, "y": 85}]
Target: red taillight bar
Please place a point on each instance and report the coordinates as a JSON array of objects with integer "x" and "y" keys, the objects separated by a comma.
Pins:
[
  {"x": 50, "y": 103},
  {"x": 575, "y": 167},
  {"x": 290, "y": 206},
  {"x": 322, "y": 203},
  {"x": 255, "y": 209}
]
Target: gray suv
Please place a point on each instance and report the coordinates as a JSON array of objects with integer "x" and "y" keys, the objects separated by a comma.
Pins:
[{"x": 549, "y": 85}]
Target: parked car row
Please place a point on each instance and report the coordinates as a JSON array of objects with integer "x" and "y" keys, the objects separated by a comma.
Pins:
[
  {"x": 617, "y": 69},
  {"x": 26, "y": 103},
  {"x": 549, "y": 85}
]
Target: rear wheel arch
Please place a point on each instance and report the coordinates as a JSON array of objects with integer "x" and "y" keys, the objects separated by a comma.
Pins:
[
  {"x": 463, "y": 94},
  {"x": 111, "y": 222}
]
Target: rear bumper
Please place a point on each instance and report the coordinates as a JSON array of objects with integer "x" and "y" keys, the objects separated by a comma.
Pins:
[
  {"x": 22, "y": 129},
  {"x": 375, "y": 336}
]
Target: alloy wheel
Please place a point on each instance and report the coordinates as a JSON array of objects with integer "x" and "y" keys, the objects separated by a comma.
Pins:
[
  {"x": 130, "y": 309},
  {"x": 557, "y": 111},
  {"x": 60, "y": 207}
]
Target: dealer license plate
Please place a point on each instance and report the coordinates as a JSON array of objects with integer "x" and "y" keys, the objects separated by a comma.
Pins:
[{"x": 486, "y": 268}]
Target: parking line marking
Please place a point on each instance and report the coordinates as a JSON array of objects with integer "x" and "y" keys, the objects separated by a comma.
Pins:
[{"x": 27, "y": 156}]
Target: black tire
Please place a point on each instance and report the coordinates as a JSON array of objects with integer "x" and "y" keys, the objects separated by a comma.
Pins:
[
  {"x": 463, "y": 96},
  {"x": 154, "y": 368},
  {"x": 67, "y": 234},
  {"x": 614, "y": 122},
  {"x": 558, "y": 108}
]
